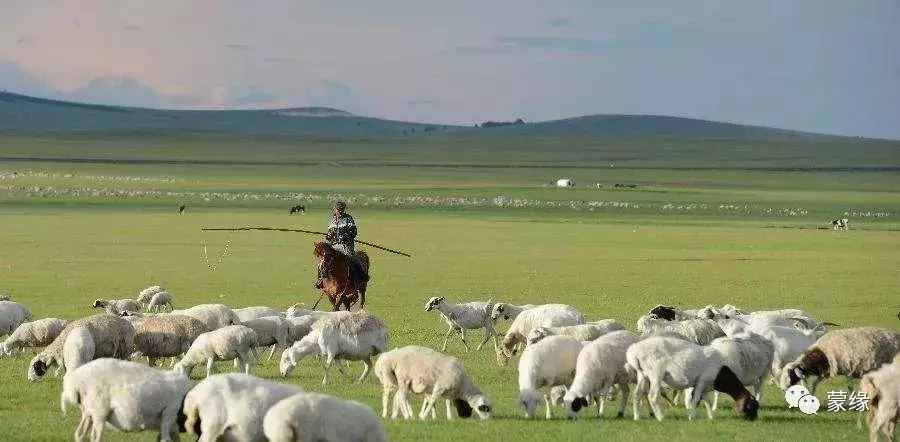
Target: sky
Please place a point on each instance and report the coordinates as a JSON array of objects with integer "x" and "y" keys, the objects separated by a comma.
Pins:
[{"x": 830, "y": 66}]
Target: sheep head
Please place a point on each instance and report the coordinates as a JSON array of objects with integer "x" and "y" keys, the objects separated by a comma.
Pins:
[
  {"x": 433, "y": 303},
  {"x": 528, "y": 399}
]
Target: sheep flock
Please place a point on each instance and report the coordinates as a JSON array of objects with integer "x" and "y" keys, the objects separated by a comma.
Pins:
[{"x": 129, "y": 367}]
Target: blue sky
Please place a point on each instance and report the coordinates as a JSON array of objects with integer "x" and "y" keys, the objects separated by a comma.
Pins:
[{"x": 824, "y": 66}]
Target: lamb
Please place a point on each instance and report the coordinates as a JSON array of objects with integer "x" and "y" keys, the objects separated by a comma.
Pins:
[
  {"x": 462, "y": 317},
  {"x": 547, "y": 315},
  {"x": 159, "y": 301},
  {"x": 681, "y": 365},
  {"x": 312, "y": 417},
  {"x": 38, "y": 333},
  {"x": 111, "y": 335},
  {"x": 165, "y": 336},
  {"x": 226, "y": 343},
  {"x": 882, "y": 387},
  {"x": 749, "y": 356},
  {"x": 352, "y": 336},
  {"x": 117, "y": 306},
  {"x": 214, "y": 316},
  {"x": 699, "y": 331},
  {"x": 507, "y": 311},
  {"x": 127, "y": 396},
  {"x": 427, "y": 371},
  {"x": 145, "y": 294},
  {"x": 218, "y": 408},
  {"x": 583, "y": 332},
  {"x": 850, "y": 352},
  {"x": 270, "y": 330},
  {"x": 247, "y": 313},
  {"x": 601, "y": 366},
  {"x": 548, "y": 363},
  {"x": 12, "y": 315}
]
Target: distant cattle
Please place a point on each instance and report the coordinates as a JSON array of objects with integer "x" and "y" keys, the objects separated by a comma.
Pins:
[
  {"x": 298, "y": 209},
  {"x": 840, "y": 224},
  {"x": 181, "y": 209},
  {"x": 565, "y": 182}
]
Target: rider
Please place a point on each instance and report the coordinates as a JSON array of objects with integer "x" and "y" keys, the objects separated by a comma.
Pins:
[{"x": 341, "y": 235}]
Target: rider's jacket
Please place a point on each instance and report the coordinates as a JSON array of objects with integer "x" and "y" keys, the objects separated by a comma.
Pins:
[{"x": 342, "y": 232}]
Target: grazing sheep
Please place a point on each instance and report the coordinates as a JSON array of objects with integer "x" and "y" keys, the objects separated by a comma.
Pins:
[
  {"x": 127, "y": 396},
  {"x": 146, "y": 294},
  {"x": 111, "y": 335},
  {"x": 547, "y": 315},
  {"x": 232, "y": 406},
  {"x": 426, "y": 371},
  {"x": 749, "y": 356},
  {"x": 299, "y": 327},
  {"x": 582, "y": 332},
  {"x": 508, "y": 312},
  {"x": 78, "y": 349},
  {"x": 247, "y": 313},
  {"x": 788, "y": 342},
  {"x": 165, "y": 336},
  {"x": 681, "y": 365},
  {"x": 12, "y": 315},
  {"x": 882, "y": 387},
  {"x": 5, "y": 297},
  {"x": 352, "y": 336},
  {"x": 671, "y": 313},
  {"x": 462, "y": 317},
  {"x": 213, "y": 315},
  {"x": 547, "y": 363},
  {"x": 601, "y": 366},
  {"x": 223, "y": 344},
  {"x": 159, "y": 301},
  {"x": 698, "y": 331},
  {"x": 270, "y": 330},
  {"x": 38, "y": 333},
  {"x": 117, "y": 306},
  {"x": 850, "y": 352},
  {"x": 314, "y": 417}
]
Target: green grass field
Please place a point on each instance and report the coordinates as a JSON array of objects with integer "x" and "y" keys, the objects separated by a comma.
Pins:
[{"x": 73, "y": 232}]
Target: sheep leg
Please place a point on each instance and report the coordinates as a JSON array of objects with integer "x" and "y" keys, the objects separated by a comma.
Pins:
[
  {"x": 488, "y": 332},
  {"x": 402, "y": 402},
  {"x": 449, "y": 410},
  {"x": 447, "y": 338},
  {"x": 209, "y": 366},
  {"x": 168, "y": 431},
  {"x": 654, "y": 399},
  {"x": 329, "y": 361},
  {"x": 623, "y": 388},
  {"x": 423, "y": 412},
  {"x": 815, "y": 384},
  {"x": 715, "y": 404},
  {"x": 385, "y": 399},
  {"x": 549, "y": 414},
  {"x": 84, "y": 425},
  {"x": 97, "y": 424},
  {"x": 700, "y": 391},
  {"x": 366, "y": 369},
  {"x": 462, "y": 335},
  {"x": 637, "y": 395}
]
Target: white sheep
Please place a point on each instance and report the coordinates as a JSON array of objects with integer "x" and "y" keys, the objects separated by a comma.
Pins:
[
  {"x": 426, "y": 371},
  {"x": 547, "y": 315},
  {"x": 213, "y": 315},
  {"x": 298, "y": 327},
  {"x": 850, "y": 352},
  {"x": 78, "y": 349},
  {"x": 581, "y": 332},
  {"x": 32, "y": 334},
  {"x": 147, "y": 293},
  {"x": 117, "y": 306},
  {"x": 314, "y": 417},
  {"x": 788, "y": 342},
  {"x": 12, "y": 315},
  {"x": 698, "y": 331},
  {"x": 547, "y": 363},
  {"x": 680, "y": 364},
  {"x": 111, "y": 335},
  {"x": 749, "y": 356},
  {"x": 508, "y": 312},
  {"x": 232, "y": 406},
  {"x": 882, "y": 387},
  {"x": 159, "y": 301},
  {"x": 223, "y": 344},
  {"x": 352, "y": 336},
  {"x": 126, "y": 396},
  {"x": 270, "y": 330},
  {"x": 247, "y": 313},
  {"x": 600, "y": 367},
  {"x": 165, "y": 336},
  {"x": 466, "y": 316}
]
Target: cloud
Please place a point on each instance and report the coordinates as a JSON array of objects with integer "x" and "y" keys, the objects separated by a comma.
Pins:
[
  {"x": 132, "y": 28},
  {"x": 118, "y": 90},
  {"x": 15, "y": 79},
  {"x": 238, "y": 47},
  {"x": 329, "y": 93},
  {"x": 249, "y": 96}
]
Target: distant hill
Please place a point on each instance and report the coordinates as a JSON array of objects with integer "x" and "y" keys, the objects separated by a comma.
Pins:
[{"x": 25, "y": 114}]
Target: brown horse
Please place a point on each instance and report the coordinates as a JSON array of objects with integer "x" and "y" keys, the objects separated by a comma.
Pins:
[{"x": 338, "y": 285}]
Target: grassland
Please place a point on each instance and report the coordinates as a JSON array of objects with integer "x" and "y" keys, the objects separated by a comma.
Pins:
[{"x": 71, "y": 232}]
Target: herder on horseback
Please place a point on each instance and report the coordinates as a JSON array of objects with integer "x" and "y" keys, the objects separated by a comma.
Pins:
[{"x": 341, "y": 237}]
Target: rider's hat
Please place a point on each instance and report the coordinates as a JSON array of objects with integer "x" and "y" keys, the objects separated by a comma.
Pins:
[{"x": 340, "y": 205}]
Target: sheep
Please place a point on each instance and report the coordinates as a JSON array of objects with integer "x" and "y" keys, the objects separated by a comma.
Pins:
[
  {"x": 5, "y": 297},
  {"x": 226, "y": 343},
  {"x": 427, "y": 371},
  {"x": 351, "y": 336},
  {"x": 583, "y": 332},
  {"x": 547, "y": 363},
  {"x": 507, "y": 311},
  {"x": 547, "y": 315},
  {"x": 247, "y": 313},
  {"x": 270, "y": 330},
  {"x": 165, "y": 336},
  {"x": 159, "y": 301},
  {"x": 111, "y": 335},
  {"x": 882, "y": 387},
  {"x": 312, "y": 417},
  {"x": 462, "y": 317},
  {"x": 78, "y": 349},
  {"x": 232, "y": 406},
  {"x": 213, "y": 315},
  {"x": 671, "y": 313},
  {"x": 299, "y": 327},
  {"x": 117, "y": 306},
  {"x": 127, "y": 396},
  {"x": 145, "y": 295},
  {"x": 599, "y": 367},
  {"x": 850, "y": 352},
  {"x": 681, "y": 365},
  {"x": 12, "y": 315},
  {"x": 699, "y": 331},
  {"x": 788, "y": 342},
  {"x": 38, "y": 333},
  {"x": 749, "y": 356}
]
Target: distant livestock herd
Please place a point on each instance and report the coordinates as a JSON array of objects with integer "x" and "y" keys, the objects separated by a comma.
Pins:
[{"x": 565, "y": 359}]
